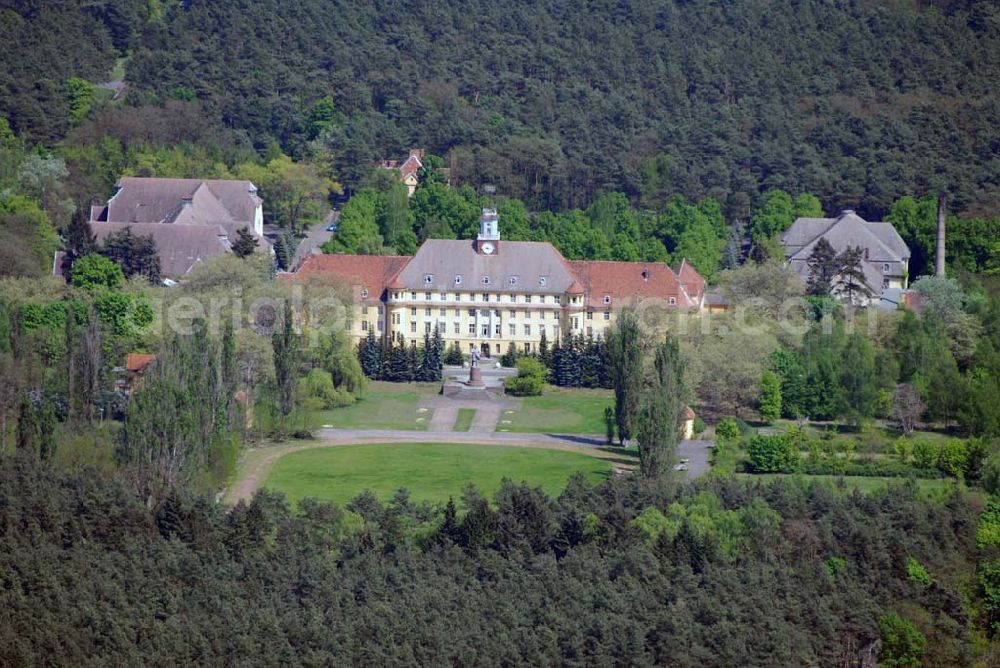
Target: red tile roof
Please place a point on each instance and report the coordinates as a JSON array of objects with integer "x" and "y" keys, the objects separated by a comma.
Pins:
[
  {"x": 362, "y": 272},
  {"x": 137, "y": 362},
  {"x": 626, "y": 281}
]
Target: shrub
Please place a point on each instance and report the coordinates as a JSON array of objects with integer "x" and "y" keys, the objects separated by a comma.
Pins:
[
  {"x": 727, "y": 429},
  {"x": 96, "y": 272},
  {"x": 772, "y": 454},
  {"x": 951, "y": 458},
  {"x": 699, "y": 426},
  {"x": 524, "y": 386},
  {"x": 453, "y": 356},
  {"x": 925, "y": 454}
]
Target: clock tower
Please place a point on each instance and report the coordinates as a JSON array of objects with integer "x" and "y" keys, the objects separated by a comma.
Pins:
[{"x": 488, "y": 241}]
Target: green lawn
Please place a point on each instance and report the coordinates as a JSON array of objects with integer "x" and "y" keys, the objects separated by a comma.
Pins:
[
  {"x": 560, "y": 410},
  {"x": 384, "y": 406},
  {"x": 464, "y": 420},
  {"x": 430, "y": 472}
]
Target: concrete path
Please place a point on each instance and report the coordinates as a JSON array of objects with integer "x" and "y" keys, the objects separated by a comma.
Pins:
[{"x": 697, "y": 452}]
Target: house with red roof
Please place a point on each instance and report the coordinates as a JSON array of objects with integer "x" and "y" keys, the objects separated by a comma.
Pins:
[{"x": 488, "y": 293}]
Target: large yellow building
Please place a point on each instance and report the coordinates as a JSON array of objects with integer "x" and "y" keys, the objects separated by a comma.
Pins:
[{"x": 488, "y": 293}]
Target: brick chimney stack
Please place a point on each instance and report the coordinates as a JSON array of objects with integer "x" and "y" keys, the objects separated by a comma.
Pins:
[{"x": 942, "y": 211}]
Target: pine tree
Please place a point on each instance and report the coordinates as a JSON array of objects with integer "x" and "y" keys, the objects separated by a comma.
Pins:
[
  {"x": 454, "y": 356},
  {"x": 369, "y": 355},
  {"x": 413, "y": 361},
  {"x": 823, "y": 268},
  {"x": 851, "y": 276},
  {"x": 509, "y": 358},
  {"x": 544, "y": 354},
  {"x": 245, "y": 244},
  {"x": 436, "y": 365}
]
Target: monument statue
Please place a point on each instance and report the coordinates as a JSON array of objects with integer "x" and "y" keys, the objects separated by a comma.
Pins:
[
  {"x": 475, "y": 357},
  {"x": 475, "y": 373}
]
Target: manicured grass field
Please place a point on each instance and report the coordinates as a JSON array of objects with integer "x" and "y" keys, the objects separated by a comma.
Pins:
[
  {"x": 560, "y": 410},
  {"x": 464, "y": 420},
  {"x": 431, "y": 472},
  {"x": 384, "y": 406}
]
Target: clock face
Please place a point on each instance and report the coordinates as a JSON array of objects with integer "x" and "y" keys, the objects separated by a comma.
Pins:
[{"x": 488, "y": 248}]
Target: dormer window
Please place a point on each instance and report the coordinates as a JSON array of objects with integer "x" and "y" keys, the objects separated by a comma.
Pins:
[
  {"x": 486, "y": 280},
  {"x": 428, "y": 278},
  {"x": 512, "y": 280},
  {"x": 672, "y": 301},
  {"x": 607, "y": 299},
  {"x": 364, "y": 293},
  {"x": 543, "y": 281},
  {"x": 885, "y": 268},
  {"x": 458, "y": 279}
]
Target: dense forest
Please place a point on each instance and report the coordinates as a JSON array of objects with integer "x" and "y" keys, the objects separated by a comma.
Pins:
[
  {"x": 857, "y": 102},
  {"x": 723, "y": 573}
]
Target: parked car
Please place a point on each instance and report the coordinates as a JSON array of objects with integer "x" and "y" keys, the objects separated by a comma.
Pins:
[
  {"x": 332, "y": 227},
  {"x": 681, "y": 467}
]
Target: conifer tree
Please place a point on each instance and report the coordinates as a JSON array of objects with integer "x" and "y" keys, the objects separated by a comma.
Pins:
[{"x": 659, "y": 412}]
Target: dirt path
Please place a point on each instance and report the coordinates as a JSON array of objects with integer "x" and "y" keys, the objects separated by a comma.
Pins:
[{"x": 258, "y": 462}]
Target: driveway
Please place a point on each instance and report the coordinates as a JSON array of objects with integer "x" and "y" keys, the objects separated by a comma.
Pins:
[
  {"x": 315, "y": 237},
  {"x": 697, "y": 452}
]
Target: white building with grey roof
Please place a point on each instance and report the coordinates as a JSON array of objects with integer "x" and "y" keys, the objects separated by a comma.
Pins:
[{"x": 885, "y": 255}]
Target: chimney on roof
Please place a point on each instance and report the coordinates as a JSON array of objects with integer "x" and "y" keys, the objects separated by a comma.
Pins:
[
  {"x": 846, "y": 212},
  {"x": 186, "y": 202},
  {"x": 942, "y": 212},
  {"x": 645, "y": 274}
]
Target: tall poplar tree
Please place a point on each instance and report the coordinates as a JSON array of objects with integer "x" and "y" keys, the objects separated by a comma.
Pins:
[{"x": 625, "y": 355}]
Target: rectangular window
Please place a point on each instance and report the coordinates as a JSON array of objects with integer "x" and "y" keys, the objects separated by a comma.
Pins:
[
  {"x": 427, "y": 296},
  {"x": 380, "y": 309},
  {"x": 364, "y": 310},
  {"x": 527, "y": 299},
  {"x": 427, "y": 328},
  {"x": 527, "y": 314},
  {"x": 527, "y": 348},
  {"x": 512, "y": 314},
  {"x": 485, "y": 329},
  {"x": 456, "y": 312},
  {"x": 527, "y": 330},
  {"x": 472, "y": 312},
  {"x": 443, "y": 312},
  {"x": 513, "y": 329},
  {"x": 496, "y": 329},
  {"x": 413, "y": 311},
  {"x": 607, "y": 315},
  {"x": 458, "y": 328},
  {"x": 443, "y": 296},
  {"x": 364, "y": 325},
  {"x": 486, "y": 297},
  {"x": 590, "y": 315},
  {"x": 413, "y": 328},
  {"x": 458, "y": 297},
  {"x": 427, "y": 311},
  {"x": 472, "y": 328},
  {"x": 413, "y": 296}
]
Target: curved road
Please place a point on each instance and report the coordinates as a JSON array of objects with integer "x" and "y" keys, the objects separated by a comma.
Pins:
[{"x": 260, "y": 461}]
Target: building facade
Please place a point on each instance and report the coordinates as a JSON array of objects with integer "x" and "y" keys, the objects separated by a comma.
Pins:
[
  {"x": 886, "y": 255},
  {"x": 488, "y": 293}
]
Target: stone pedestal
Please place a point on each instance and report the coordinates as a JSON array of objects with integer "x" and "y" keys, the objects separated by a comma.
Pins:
[{"x": 476, "y": 377}]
